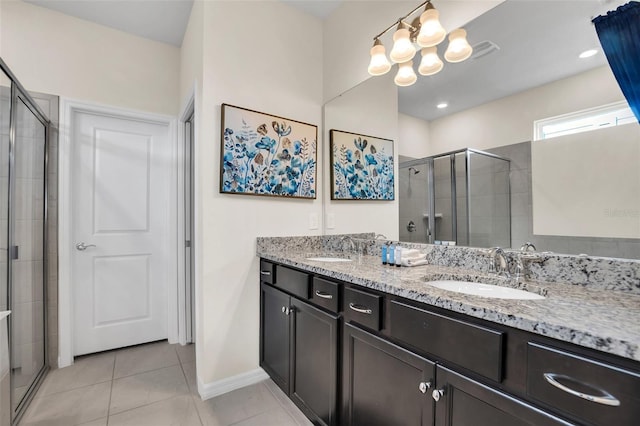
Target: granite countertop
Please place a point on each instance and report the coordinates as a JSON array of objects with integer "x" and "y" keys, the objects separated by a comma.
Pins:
[{"x": 605, "y": 320}]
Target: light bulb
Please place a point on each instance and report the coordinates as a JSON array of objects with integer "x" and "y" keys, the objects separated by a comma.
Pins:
[
  {"x": 405, "y": 76},
  {"x": 430, "y": 64},
  {"x": 459, "y": 48},
  {"x": 379, "y": 64},
  {"x": 403, "y": 50},
  {"x": 431, "y": 31}
]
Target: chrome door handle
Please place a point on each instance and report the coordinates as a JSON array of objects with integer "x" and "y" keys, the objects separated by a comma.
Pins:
[
  {"x": 265, "y": 273},
  {"x": 360, "y": 308},
  {"x": 82, "y": 246},
  {"x": 436, "y": 394},
  {"x": 607, "y": 399},
  {"x": 424, "y": 386},
  {"x": 324, "y": 295}
]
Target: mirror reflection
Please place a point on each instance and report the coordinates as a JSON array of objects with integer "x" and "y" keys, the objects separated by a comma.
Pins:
[{"x": 473, "y": 172}]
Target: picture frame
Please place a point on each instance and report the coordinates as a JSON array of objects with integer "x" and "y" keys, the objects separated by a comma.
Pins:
[
  {"x": 267, "y": 155},
  {"x": 362, "y": 167}
]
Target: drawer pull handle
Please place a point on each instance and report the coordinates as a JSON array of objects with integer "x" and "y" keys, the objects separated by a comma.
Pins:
[
  {"x": 360, "y": 308},
  {"x": 324, "y": 295},
  {"x": 265, "y": 273},
  {"x": 604, "y": 400}
]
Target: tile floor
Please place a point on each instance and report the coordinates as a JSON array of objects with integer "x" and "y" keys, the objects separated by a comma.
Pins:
[{"x": 151, "y": 385}]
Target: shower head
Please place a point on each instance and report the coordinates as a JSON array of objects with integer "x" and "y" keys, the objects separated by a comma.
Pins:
[{"x": 415, "y": 172}]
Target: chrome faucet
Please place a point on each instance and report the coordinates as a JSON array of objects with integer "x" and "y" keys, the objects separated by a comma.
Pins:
[
  {"x": 528, "y": 245},
  {"x": 499, "y": 263},
  {"x": 349, "y": 238},
  {"x": 380, "y": 236},
  {"x": 523, "y": 259}
]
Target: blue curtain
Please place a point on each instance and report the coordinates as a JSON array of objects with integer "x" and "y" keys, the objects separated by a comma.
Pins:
[{"x": 619, "y": 34}]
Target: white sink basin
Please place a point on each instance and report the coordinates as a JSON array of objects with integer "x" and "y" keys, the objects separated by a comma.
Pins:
[
  {"x": 329, "y": 259},
  {"x": 485, "y": 290}
]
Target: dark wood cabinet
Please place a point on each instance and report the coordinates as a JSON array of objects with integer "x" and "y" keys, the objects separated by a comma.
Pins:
[
  {"x": 299, "y": 350},
  {"x": 315, "y": 362},
  {"x": 275, "y": 335},
  {"x": 384, "y": 384},
  {"x": 353, "y": 356},
  {"x": 462, "y": 401}
]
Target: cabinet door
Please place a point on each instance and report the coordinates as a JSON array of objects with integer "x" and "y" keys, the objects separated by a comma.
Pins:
[
  {"x": 465, "y": 402},
  {"x": 315, "y": 361},
  {"x": 275, "y": 335},
  {"x": 384, "y": 384}
]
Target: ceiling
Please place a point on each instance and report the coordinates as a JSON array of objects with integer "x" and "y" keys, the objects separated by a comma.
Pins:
[
  {"x": 539, "y": 43},
  {"x": 161, "y": 20}
]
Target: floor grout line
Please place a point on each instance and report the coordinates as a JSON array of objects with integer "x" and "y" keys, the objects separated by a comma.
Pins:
[{"x": 113, "y": 372}]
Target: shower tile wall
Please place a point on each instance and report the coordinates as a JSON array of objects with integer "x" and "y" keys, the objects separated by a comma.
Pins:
[
  {"x": 489, "y": 202},
  {"x": 522, "y": 215},
  {"x": 413, "y": 203}
]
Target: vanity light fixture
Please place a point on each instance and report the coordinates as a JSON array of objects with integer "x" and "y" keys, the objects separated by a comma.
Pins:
[
  {"x": 425, "y": 31},
  {"x": 406, "y": 76}
]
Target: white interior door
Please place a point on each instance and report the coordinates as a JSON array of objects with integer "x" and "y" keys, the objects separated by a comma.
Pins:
[{"x": 121, "y": 172}]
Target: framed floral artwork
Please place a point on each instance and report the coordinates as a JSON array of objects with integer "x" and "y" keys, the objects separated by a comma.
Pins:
[
  {"x": 361, "y": 167},
  {"x": 263, "y": 154}
]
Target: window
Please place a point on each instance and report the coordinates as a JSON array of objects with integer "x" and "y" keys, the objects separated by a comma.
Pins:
[{"x": 583, "y": 121}]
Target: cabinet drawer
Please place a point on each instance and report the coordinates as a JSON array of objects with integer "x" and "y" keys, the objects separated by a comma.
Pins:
[
  {"x": 468, "y": 345},
  {"x": 362, "y": 308},
  {"x": 292, "y": 281},
  {"x": 594, "y": 392},
  {"x": 267, "y": 272},
  {"x": 325, "y": 293}
]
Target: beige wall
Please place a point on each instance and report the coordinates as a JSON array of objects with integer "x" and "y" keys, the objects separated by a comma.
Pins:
[
  {"x": 588, "y": 184},
  {"x": 510, "y": 120},
  {"x": 413, "y": 136},
  {"x": 65, "y": 56},
  {"x": 275, "y": 68},
  {"x": 370, "y": 108}
]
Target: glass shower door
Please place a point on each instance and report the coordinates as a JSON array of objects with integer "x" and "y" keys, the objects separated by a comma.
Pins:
[
  {"x": 5, "y": 121},
  {"x": 26, "y": 252}
]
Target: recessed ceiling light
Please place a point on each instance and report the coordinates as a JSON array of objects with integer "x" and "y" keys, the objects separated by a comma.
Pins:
[
  {"x": 588, "y": 53},
  {"x": 442, "y": 105}
]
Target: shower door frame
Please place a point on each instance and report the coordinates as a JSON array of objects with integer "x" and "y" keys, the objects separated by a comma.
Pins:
[
  {"x": 18, "y": 92},
  {"x": 429, "y": 162}
]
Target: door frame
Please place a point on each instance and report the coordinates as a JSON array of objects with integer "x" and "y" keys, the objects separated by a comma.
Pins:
[
  {"x": 69, "y": 107},
  {"x": 188, "y": 111}
]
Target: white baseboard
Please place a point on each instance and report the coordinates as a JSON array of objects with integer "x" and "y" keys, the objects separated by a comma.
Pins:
[{"x": 210, "y": 390}]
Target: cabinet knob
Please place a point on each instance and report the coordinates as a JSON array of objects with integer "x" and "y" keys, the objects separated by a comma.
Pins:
[
  {"x": 286, "y": 310},
  {"x": 436, "y": 394},
  {"x": 424, "y": 386}
]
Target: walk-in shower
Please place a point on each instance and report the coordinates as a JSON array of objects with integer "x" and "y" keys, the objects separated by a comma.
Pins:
[
  {"x": 24, "y": 131},
  {"x": 460, "y": 197}
]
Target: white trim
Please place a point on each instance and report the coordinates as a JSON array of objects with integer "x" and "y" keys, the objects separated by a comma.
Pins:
[
  {"x": 68, "y": 107},
  {"x": 182, "y": 299},
  {"x": 538, "y": 125},
  {"x": 213, "y": 389}
]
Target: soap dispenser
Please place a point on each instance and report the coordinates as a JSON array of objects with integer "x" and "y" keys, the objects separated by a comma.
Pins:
[
  {"x": 384, "y": 253},
  {"x": 391, "y": 258}
]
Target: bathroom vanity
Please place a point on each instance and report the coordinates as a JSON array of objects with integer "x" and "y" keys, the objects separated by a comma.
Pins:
[{"x": 359, "y": 343}]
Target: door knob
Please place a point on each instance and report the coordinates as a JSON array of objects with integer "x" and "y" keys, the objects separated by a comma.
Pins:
[
  {"x": 436, "y": 394},
  {"x": 82, "y": 246}
]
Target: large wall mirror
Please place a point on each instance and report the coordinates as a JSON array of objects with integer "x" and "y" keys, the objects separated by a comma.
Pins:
[{"x": 474, "y": 173}]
